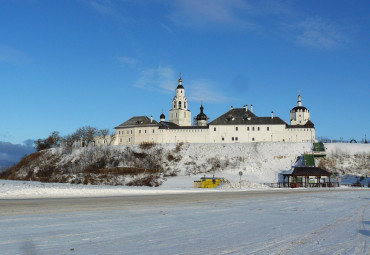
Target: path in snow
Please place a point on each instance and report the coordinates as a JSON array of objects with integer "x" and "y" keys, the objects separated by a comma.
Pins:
[{"x": 322, "y": 222}]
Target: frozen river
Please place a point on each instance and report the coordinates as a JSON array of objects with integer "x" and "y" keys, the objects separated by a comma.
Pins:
[{"x": 247, "y": 222}]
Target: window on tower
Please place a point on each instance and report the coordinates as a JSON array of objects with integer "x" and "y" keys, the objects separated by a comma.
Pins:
[
  {"x": 174, "y": 104},
  {"x": 185, "y": 105},
  {"x": 180, "y": 104}
]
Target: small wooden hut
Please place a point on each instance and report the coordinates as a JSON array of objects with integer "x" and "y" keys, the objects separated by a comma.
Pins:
[{"x": 305, "y": 176}]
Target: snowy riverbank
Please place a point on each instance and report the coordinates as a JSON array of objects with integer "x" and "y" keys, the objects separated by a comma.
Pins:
[{"x": 30, "y": 190}]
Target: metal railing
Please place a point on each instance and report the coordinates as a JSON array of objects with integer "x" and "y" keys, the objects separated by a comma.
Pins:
[{"x": 302, "y": 185}]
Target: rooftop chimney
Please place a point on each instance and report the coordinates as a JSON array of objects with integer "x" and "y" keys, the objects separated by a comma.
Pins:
[
  {"x": 246, "y": 107},
  {"x": 151, "y": 118},
  {"x": 251, "y": 107},
  {"x": 272, "y": 114},
  {"x": 231, "y": 107}
]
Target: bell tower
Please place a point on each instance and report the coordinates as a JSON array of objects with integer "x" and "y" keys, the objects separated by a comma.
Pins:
[{"x": 179, "y": 114}]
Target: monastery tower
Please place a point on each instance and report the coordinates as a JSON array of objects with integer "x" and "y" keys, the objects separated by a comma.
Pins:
[
  {"x": 299, "y": 115},
  {"x": 179, "y": 114}
]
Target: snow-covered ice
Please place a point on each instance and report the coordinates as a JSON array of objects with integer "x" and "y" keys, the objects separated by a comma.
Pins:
[
  {"x": 57, "y": 218},
  {"x": 259, "y": 222}
]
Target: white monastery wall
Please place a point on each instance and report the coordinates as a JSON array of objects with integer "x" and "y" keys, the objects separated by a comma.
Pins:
[{"x": 141, "y": 129}]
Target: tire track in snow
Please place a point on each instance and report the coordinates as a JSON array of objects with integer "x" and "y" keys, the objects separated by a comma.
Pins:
[{"x": 314, "y": 237}]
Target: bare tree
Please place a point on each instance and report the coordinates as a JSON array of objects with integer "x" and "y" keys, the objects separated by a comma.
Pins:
[
  {"x": 107, "y": 137},
  {"x": 68, "y": 141},
  {"x": 86, "y": 135},
  {"x": 53, "y": 140}
]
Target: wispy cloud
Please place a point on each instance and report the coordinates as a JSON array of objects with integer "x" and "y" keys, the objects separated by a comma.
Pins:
[
  {"x": 105, "y": 7},
  {"x": 128, "y": 61},
  {"x": 12, "y": 56},
  {"x": 206, "y": 91},
  {"x": 268, "y": 17},
  {"x": 161, "y": 78},
  {"x": 317, "y": 33},
  {"x": 167, "y": 28},
  {"x": 164, "y": 80},
  {"x": 202, "y": 13}
]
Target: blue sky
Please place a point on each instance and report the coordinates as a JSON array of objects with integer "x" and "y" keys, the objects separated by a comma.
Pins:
[{"x": 67, "y": 64}]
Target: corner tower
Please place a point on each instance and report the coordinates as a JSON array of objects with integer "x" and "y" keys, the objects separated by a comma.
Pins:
[
  {"x": 299, "y": 115},
  {"x": 179, "y": 114}
]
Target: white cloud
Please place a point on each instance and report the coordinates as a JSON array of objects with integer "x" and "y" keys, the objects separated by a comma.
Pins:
[
  {"x": 12, "y": 56},
  {"x": 160, "y": 78},
  {"x": 206, "y": 91},
  {"x": 128, "y": 61},
  {"x": 164, "y": 80},
  {"x": 267, "y": 16},
  {"x": 167, "y": 28},
  {"x": 202, "y": 12},
  {"x": 105, "y": 7},
  {"x": 317, "y": 33}
]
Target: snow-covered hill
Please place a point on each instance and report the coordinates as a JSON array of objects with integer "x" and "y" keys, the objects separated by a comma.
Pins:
[
  {"x": 151, "y": 165},
  {"x": 347, "y": 159}
]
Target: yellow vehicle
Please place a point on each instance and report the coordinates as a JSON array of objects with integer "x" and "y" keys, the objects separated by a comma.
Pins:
[{"x": 208, "y": 182}]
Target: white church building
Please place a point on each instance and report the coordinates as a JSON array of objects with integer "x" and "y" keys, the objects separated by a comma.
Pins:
[{"x": 238, "y": 125}]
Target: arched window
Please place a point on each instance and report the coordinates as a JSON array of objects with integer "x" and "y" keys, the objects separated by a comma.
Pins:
[
  {"x": 174, "y": 104},
  {"x": 185, "y": 105},
  {"x": 179, "y": 104}
]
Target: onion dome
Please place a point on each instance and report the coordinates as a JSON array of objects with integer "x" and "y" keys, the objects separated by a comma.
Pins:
[
  {"x": 180, "y": 84},
  {"x": 162, "y": 117},
  {"x": 201, "y": 115}
]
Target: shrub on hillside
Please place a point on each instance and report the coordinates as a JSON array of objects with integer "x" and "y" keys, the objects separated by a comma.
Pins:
[
  {"x": 178, "y": 147},
  {"x": 147, "y": 145},
  {"x": 151, "y": 180}
]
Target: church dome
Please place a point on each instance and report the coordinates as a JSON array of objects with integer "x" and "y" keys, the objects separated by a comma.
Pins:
[
  {"x": 162, "y": 116},
  {"x": 180, "y": 84},
  {"x": 299, "y": 109},
  {"x": 201, "y": 115}
]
